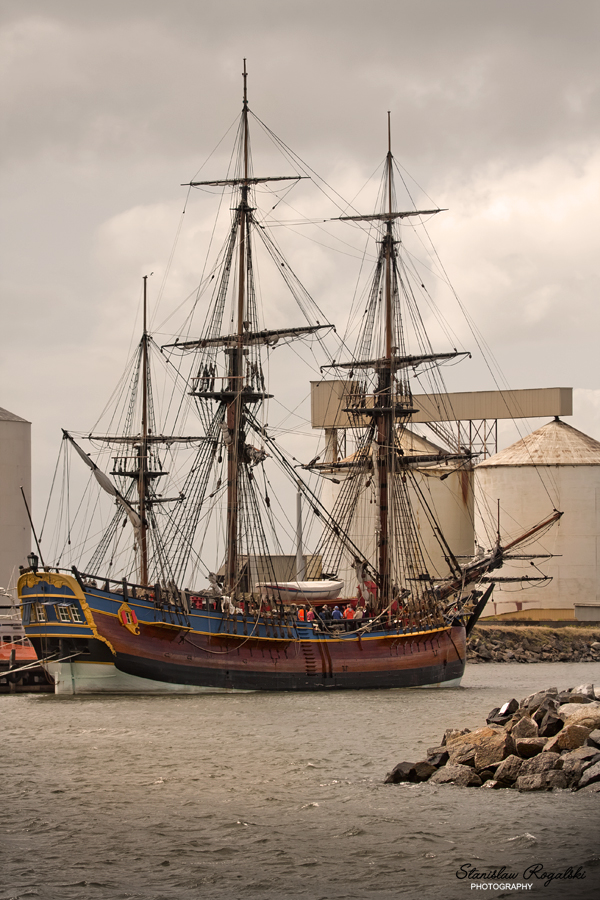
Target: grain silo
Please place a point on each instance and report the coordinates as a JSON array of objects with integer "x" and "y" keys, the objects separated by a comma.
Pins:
[
  {"x": 448, "y": 493},
  {"x": 556, "y": 466},
  {"x": 15, "y": 471}
]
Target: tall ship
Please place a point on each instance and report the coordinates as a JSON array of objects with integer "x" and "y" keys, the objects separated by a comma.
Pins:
[{"x": 182, "y": 582}]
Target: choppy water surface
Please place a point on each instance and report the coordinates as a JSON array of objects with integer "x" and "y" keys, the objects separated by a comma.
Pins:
[{"x": 274, "y": 796}]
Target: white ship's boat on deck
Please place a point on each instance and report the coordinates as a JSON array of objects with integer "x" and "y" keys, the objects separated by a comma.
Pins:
[{"x": 300, "y": 591}]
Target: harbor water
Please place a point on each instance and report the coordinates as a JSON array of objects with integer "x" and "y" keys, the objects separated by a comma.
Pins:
[{"x": 277, "y": 796}]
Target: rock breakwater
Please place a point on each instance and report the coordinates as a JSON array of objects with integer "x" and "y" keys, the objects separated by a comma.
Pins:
[
  {"x": 533, "y": 643},
  {"x": 548, "y": 741}
]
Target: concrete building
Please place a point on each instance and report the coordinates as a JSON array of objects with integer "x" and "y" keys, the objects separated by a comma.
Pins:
[
  {"x": 556, "y": 466},
  {"x": 15, "y": 471}
]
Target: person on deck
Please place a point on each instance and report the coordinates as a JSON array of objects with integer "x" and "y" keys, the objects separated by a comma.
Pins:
[
  {"x": 336, "y": 614},
  {"x": 348, "y": 616}
]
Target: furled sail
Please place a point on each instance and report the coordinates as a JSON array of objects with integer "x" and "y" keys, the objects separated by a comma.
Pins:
[{"x": 106, "y": 484}]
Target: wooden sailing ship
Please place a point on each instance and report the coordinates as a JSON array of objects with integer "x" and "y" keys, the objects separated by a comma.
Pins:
[{"x": 239, "y": 626}]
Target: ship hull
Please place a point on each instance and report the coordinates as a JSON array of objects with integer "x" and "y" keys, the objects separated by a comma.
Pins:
[
  {"x": 257, "y": 680},
  {"x": 126, "y": 645},
  {"x": 223, "y": 653}
]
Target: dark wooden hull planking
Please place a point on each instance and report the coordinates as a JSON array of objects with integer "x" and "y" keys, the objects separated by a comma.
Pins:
[{"x": 314, "y": 663}]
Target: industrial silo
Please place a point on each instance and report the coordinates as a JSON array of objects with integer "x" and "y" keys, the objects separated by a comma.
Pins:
[
  {"x": 556, "y": 466},
  {"x": 15, "y": 471}
]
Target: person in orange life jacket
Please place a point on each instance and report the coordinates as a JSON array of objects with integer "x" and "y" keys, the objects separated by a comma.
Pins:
[
  {"x": 349, "y": 612},
  {"x": 301, "y": 614}
]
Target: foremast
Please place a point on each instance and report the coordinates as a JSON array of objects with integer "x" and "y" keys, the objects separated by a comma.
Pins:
[{"x": 136, "y": 467}]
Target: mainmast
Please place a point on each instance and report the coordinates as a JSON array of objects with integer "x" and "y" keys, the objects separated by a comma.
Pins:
[
  {"x": 242, "y": 384},
  {"x": 236, "y": 363}
]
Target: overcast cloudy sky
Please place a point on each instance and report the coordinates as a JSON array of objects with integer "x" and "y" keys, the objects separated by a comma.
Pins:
[{"x": 107, "y": 107}]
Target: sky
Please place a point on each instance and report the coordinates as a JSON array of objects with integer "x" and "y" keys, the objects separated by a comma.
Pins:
[{"x": 107, "y": 108}]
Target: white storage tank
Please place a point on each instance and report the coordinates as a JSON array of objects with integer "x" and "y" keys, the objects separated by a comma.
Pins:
[
  {"x": 450, "y": 498},
  {"x": 556, "y": 466},
  {"x": 15, "y": 471}
]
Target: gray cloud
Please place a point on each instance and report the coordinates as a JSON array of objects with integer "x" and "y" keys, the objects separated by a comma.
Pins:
[{"x": 107, "y": 107}]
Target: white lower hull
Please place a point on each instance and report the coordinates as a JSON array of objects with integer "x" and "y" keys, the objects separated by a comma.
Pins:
[
  {"x": 453, "y": 682},
  {"x": 104, "y": 678}
]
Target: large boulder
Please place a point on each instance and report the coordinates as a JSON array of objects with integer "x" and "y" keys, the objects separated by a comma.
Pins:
[
  {"x": 541, "y": 763},
  {"x": 588, "y": 754},
  {"x": 551, "y": 724},
  {"x": 437, "y": 756},
  {"x": 590, "y": 776},
  {"x": 556, "y": 780},
  {"x": 422, "y": 770},
  {"x": 587, "y": 690},
  {"x": 525, "y": 728},
  {"x": 485, "y": 746},
  {"x": 534, "y": 701},
  {"x": 593, "y": 739},
  {"x": 570, "y": 738},
  {"x": 587, "y": 714},
  {"x": 577, "y": 761},
  {"x": 400, "y": 772},
  {"x": 462, "y": 755},
  {"x": 532, "y": 782},
  {"x": 494, "y": 718},
  {"x": 464, "y": 776},
  {"x": 549, "y": 704},
  {"x": 528, "y": 747},
  {"x": 501, "y": 715},
  {"x": 509, "y": 769},
  {"x": 408, "y": 771}
]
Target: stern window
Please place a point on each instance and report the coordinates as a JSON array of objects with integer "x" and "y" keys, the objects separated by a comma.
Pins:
[
  {"x": 76, "y": 614},
  {"x": 39, "y": 612}
]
